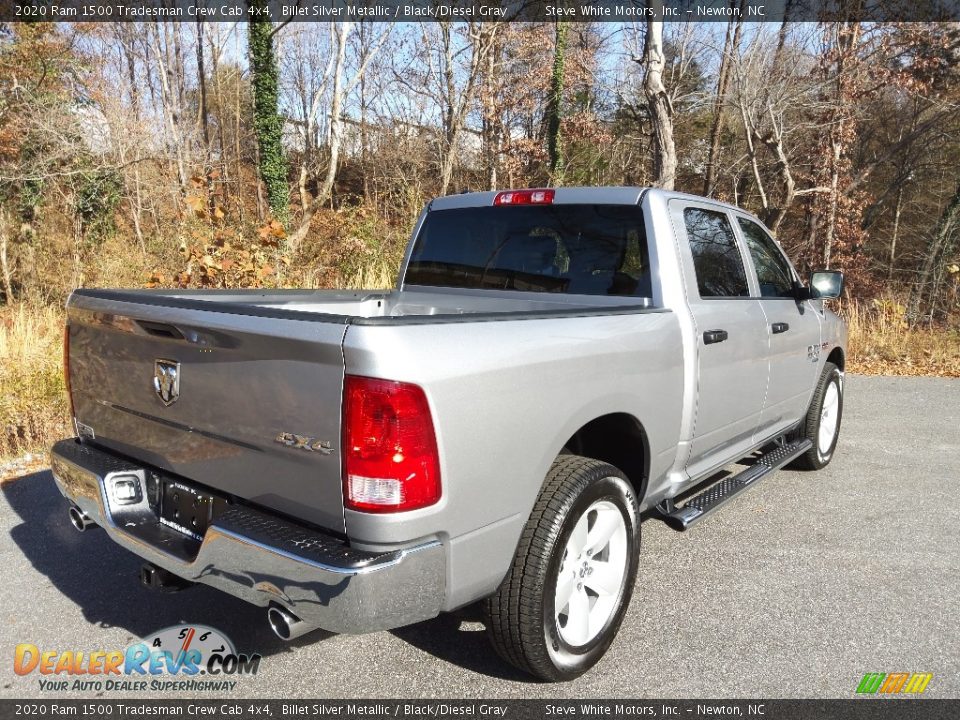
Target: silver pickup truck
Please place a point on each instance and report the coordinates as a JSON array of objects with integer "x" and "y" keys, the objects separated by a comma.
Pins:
[{"x": 554, "y": 365}]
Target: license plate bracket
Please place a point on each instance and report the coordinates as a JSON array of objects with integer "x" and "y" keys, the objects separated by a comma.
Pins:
[{"x": 187, "y": 509}]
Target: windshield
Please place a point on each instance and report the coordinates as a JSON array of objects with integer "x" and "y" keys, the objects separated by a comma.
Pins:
[{"x": 575, "y": 249}]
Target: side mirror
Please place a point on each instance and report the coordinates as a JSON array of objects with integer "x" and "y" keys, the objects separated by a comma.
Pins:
[{"x": 825, "y": 284}]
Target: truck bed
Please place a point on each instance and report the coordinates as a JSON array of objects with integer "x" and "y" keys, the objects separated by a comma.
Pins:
[
  {"x": 260, "y": 378},
  {"x": 375, "y": 307}
]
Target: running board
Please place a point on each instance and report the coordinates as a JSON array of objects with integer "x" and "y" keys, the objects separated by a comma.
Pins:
[{"x": 699, "y": 506}]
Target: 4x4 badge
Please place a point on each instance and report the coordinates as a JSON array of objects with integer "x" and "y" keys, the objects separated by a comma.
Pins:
[{"x": 166, "y": 381}]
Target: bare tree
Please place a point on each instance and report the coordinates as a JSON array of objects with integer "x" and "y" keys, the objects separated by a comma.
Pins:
[
  {"x": 658, "y": 101},
  {"x": 340, "y": 88},
  {"x": 167, "y": 60},
  {"x": 775, "y": 99},
  {"x": 731, "y": 44},
  {"x": 845, "y": 39},
  {"x": 939, "y": 248}
]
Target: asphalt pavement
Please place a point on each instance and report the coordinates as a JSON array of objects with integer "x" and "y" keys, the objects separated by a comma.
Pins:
[{"x": 795, "y": 589}]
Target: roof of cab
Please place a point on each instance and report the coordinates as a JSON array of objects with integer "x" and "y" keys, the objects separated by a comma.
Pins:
[
  {"x": 562, "y": 196},
  {"x": 578, "y": 196}
]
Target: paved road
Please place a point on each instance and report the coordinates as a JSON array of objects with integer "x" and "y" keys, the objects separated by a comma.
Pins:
[{"x": 794, "y": 590}]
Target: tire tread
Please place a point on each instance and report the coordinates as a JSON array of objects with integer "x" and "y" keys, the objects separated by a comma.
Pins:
[
  {"x": 514, "y": 624},
  {"x": 810, "y": 426}
]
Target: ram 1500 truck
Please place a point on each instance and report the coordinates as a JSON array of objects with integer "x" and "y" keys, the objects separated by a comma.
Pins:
[{"x": 554, "y": 363}]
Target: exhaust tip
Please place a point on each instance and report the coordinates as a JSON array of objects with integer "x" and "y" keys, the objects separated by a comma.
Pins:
[
  {"x": 79, "y": 519},
  {"x": 286, "y": 625},
  {"x": 281, "y": 622}
]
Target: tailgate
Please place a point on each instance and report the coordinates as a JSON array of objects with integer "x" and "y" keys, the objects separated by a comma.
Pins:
[{"x": 245, "y": 385}]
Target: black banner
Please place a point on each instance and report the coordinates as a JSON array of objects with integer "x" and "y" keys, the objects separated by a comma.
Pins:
[
  {"x": 852, "y": 709},
  {"x": 478, "y": 10}
]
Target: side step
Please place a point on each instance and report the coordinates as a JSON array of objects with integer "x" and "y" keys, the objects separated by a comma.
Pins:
[{"x": 699, "y": 506}]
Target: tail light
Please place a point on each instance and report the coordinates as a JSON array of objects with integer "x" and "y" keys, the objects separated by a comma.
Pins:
[
  {"x": 66, "y": 366},
  {"x": 390, "y": 449},
  {"x": 524, "y": 197}
]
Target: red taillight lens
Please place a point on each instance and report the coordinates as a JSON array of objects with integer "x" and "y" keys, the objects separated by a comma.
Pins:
[
  {"x": 390, "y": 450},
  {"x": 524, "y": 197},
  {"x": 66, "y": 366}
]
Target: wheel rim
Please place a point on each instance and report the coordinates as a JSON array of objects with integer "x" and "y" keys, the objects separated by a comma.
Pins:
[
  {"x": 591, "y": 575},
  {"x": 829, "y": 417}
]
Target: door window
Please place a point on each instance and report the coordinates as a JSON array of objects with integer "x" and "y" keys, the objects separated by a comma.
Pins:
[
  {"x": 773, "y": 270},
  {"x": 716, "y": 258}
]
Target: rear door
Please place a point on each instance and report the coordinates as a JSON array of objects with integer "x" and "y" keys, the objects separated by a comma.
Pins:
[
  {"x": 732, "y": 343},
  {"x": 245, "y": 404},
  {"x": 794, "y": 329}
]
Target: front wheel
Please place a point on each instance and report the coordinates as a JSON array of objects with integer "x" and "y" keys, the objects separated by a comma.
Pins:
[
  {"x": 822, "y": 424},
  {"x": 565, "y": 596}
]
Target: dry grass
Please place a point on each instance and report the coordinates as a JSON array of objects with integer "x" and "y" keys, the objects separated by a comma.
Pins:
[
  {"x": 33, "y": 404},
  {"x": 882, "y": 342},
  {"x": 378, "y": 276}
]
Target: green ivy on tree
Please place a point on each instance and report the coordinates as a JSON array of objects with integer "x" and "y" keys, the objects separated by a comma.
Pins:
[
  {"x": 266, "y": 120},
  {"x": 96, "y": 196},
  {"x": 555, "y": 107}
]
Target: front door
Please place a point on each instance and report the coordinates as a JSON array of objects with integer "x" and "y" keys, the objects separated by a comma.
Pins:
[
  {"x": 732, "y": 342},
  {"x": 794, "y": 329}
]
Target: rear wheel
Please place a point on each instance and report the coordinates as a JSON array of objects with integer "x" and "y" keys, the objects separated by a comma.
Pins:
[
  {"x": 822, "y": 424},
  {"x": 565, "y": 596}
]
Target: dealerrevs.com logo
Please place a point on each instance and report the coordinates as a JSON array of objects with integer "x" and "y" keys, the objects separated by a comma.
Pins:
[{"x": 181, "y": 657}]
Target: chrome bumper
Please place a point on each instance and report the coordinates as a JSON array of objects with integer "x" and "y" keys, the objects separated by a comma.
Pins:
[{"x": 261, "y": 558}]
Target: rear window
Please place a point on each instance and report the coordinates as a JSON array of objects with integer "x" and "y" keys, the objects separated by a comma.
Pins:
[{"x": 575, "y": 249}]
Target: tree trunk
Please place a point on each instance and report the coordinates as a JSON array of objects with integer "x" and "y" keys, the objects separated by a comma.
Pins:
[
  {"x": 492, "y": 130},
  {"x": 458, "y": 101},
  {"x": 450, "y": 129},
  {"x": 555, "y": 106},
  {"x": 168, "y": 100},
  {"x": 205, "y": 122},
  {"x": 661, "y": 110},
  {"x": 238, "y": 154},
  {"x": 730, "y": 43},
  {"x": 848, "y": 36},
  {"x": 896, "y": 231},
  {"x": 336, "y": 140},
  {"x": 221, "y": 135},
  {"x": 4, "y": 260},
  {"x": 267, "y": 122},
  {"x": 364, "y": 154}
]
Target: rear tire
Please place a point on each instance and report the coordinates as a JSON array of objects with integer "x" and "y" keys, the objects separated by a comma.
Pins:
[
  {"x": 822, "y": 424},
  {"x": 564, "y": 598}
]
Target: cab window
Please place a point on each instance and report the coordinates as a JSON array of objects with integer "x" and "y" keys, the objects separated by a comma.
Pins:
[
  {"x": 716, "y": 257},
  {"x": 773, "y": 270}
]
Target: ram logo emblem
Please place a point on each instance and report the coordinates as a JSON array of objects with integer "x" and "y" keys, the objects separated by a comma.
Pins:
[{"x": 166, "y": 381}]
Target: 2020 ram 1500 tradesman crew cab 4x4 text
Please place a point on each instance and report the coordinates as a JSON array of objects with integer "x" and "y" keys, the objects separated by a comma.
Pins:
[{"x": 553, "y": 363}]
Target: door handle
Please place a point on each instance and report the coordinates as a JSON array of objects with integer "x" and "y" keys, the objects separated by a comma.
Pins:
[
  {"x": 714, "y": 336},
  {"x": 779, "y": 328}
]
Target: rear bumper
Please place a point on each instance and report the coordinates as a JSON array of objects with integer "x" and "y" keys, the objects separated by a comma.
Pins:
[{"x": 261, "y": 558}]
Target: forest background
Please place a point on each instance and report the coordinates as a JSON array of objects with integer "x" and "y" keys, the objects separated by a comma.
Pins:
[{"x": 195, "y": 154}]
